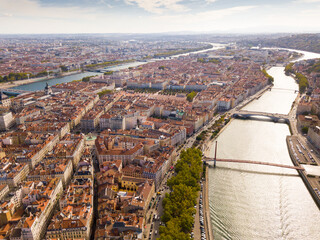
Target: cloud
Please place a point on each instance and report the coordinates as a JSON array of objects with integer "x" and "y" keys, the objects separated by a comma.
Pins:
[
  {"x": 33, "y": 9},
  {"x": 32, "y": 17},
  {"x": 159, "y": 6},
  {"x": 307, "y": 1},
  {"x": 211, "y": 1},
  {"x": 205, "y": 16},
  {"x": 105, "y": 2},
  {"x": 6, "y": 15},
  {"x": 211, "y": 20}
]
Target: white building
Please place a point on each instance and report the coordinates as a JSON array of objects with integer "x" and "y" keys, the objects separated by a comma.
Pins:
[{"x": 6, "y": 121}]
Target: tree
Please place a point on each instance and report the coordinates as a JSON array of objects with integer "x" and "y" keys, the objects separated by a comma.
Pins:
[
  {"x": 191, "y": 95},
  {"x": 186, "y": 221},
  {"x": 108, "y": 73},
  {"x": 288, "y": 69},
  {"x": 270, "y": 78},
  {"x": 86, "y": 79},
  {"x": 303, "y": 82},
  {"x": 104, "y": 92},
  {"x": 304, "y": 130},
  {"x": 178, "y": 205},
  {"x": 172, "y": 231},
  {"x": 63, "y": 68}
]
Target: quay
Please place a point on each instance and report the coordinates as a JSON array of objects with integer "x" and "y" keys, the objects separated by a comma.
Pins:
[
  {"x": 13, "y": 92},
  {"x": 206, "y": 208},
  {"x": 206, "y": 149},
  {"x": 301, "y": 155}
]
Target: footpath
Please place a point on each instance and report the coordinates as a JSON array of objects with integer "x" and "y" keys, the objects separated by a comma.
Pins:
[{"x": 206, "y": 208}]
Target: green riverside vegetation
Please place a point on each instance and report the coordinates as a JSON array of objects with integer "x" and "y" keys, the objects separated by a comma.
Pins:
[
  {"x": 288, "y": 69},
  {"x": 108, "y": 63},
  {"x": 181, "y": 51},
  {"x": 108, "y": 73},
  {"x": 302, "y": 80},
  {"x": 315, "y": 67},
  {"x": 270, "y": 78},
  {"x": 21, "y": 76},
  {"x": 179, "y": 204},
  {"x": 307, "y": 42}
]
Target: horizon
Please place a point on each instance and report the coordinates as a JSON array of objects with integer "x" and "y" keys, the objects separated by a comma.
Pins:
[
  {"x": 159, "y": 17},
  {"x": 173, "y": 33}
]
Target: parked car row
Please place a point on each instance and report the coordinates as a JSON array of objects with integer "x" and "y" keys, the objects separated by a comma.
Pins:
[
  {"x": 317, "y": 192},
  {"x": 201, "y": 216}
]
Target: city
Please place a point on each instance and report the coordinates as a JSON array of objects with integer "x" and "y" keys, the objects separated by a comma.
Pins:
[{"x": 159, "y": 126}]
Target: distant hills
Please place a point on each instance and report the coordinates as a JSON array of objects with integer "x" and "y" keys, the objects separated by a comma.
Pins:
[{"x": 306, "y": 42}]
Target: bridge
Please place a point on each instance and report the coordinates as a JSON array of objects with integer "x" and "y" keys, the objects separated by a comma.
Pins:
[
  {"x": 13, "y": 92},
  {"x": 275, "y": 117},
  {"x": 252, "y": 162},
  {"x": 284, "y": 89}
]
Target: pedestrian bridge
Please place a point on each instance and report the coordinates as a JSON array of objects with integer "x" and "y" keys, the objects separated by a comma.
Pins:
[
  {"x": 253, "y": 162},
  {"x": 13, "y": 92},
  {"x": 275, "y": 117},
  {"x": 284, "y": 89}
]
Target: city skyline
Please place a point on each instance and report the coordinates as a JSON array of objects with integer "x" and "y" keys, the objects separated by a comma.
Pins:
[{"x": 151, "y": 16}]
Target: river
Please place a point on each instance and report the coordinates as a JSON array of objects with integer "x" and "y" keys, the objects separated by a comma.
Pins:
[
  {"x": 40, "y": 85},
  {"x": 261, "y": 202}
]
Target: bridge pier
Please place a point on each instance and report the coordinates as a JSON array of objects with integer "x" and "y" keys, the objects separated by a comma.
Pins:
[{"x": 215, "y": 156}]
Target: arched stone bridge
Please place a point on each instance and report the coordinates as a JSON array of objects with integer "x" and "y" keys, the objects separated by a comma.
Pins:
[{"x": 275, "y": 117}]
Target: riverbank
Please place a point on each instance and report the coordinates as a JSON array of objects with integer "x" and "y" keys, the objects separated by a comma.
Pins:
[
  {"x": 208, "y": 141},
  {"x": 118, "y": 66},
  {"x": 7, "y": 85},
  {"x": 206, "y": 149},
  {"x": 241, "y": 196},
  {"x": 206, "y": 208},
  {"x": 302, "y": 156}
]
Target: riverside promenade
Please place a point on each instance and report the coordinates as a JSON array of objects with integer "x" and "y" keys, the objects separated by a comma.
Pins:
[
  {"x": 206, "y": 208},
  {"x": 33, "y": 80}
]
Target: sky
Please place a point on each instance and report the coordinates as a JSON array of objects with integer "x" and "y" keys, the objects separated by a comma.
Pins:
[{"x": 158, "y": 16}]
